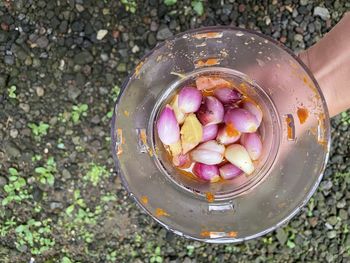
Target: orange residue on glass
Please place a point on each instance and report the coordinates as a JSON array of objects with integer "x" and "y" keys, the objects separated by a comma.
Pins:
[
  {"x": 126, "y": 113},
  {"x": 143, "y": 136},
  {"x": 138, "y": 68},
  {"x": 303, "y": 114},
  {"x": 210, "y": 197},
  {"x": 208, "y": 35},
  {"x": 206, "y": 62},
  {"x": 160, "y": 212},
  {"x": 205, "y": 233},
  {"x": 231, "y": 131},
  {"x": 122, "y": 141},
  {"x": 232, "y": 234},
  {"x": 150, "y": 152},
  {"x": 144, "y": 199},
  {"x": 290, "y": 132},
  {"x": 320, "y": 139}
]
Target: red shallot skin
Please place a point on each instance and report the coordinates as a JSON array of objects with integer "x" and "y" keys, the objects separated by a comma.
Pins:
[
  {"x": 209, "y": 132},
  {"x": 206, "y": 172},
  {"x": 252, "y": 142},
  {"x": 242, "y": 120},
  {"x": 190, "y": 99},
  {"x": 211, "y": 111},
  {"x": 167, "y": 127},
  {"x": 229, "y": 171}
]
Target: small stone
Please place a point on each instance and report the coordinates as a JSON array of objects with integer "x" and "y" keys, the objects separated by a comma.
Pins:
[
  {"x": 151, "y": 39},
  {"x": 73, "y": 93},
  {"x": 135, "y": 49},
  {"x": 13, "y": 133},
  {"x": 55, "y": 205},
  {"x": 28, "y": 61},
  {"x": 304, "y": 2},
  {"x": 298, "y": 37},
  {"x": 101, "y": 34},
  {"x": 121, "y": 67},
  {"x": 66, "y": 174},
  {"x": 332, "y": 220},
  {"x": 3, "y": 181},
  {"x": 164, "y": 33},
  {"x": 25, "y": 107},
  {"x": 281, "y": 236},
  {"x": 3, "y": 37},
  {"x": 79, "y": 7},
  {"x": 104, "y": 57},
  {"x": 331, "y": 234},
  {"x": 39, "y": 91},
  {"x": 12, "y": 150},
  {"x": 322, "y": 12},
  {"x": 154, "y": 26},
  {"x": 42, "y": 42},
  {"x": 313, "y": 221},
  {"x": 241, "y": 8},
  {"x": 326, "y": 185},
  {"x": 341, "y": 203},
  {"x": 342, "y": 214},
  {"x": 9, "y": 60},
  {"x": 83, "y": 57}
]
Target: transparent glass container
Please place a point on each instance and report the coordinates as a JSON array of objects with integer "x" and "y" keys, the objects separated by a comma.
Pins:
[{"x": 295, "y": 133}]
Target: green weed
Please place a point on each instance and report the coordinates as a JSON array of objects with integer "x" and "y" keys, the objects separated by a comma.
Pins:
[
  {"x": 190, "y": 250},
  {"x": 77, "y": 202},
  {"x": 115, "y": 92},
  {"x": 310, "y": 207},
  {"x": 112, "y": 256},
  {"x": 15, "y": 188},
  {"x": 12, "y": 92},
  {"x": 198, "y": 7},
  {"x": 95, "y": 173},
  {"x": 156, "y": 257},
  {"x": 39, "y": 130},
  {"x": 5, "y": 227},
  {"x": 66, "y": 260},
  {"x": 170, "y": 2},
  {"x": 36, "y": 235},
  {"x": 78, "y": 111},
  {"x": 46, "y": 173},
  {"x": 130, "y": 5},
  {"x": 345, "y": 117}
]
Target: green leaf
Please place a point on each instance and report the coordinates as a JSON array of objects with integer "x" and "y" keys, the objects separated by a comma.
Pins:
[
  {"x": 20, "y": 228},
  {"x": 50, "y": 179},
  {"x": 13, "y": 171},
  {"x": 170, "y": 2},
  {"x": 70, "y": 209},
  {"x": 12, "y": 92},
  {"x": 5, "y": 201},
  {"x": 42, "y": 180},
  {"x": 66, "y": 260},
  {"x": 76, "y": 194},
  {"x": 84, "y": 107},
  {"x": 290, "y": 244},
  {"x": 75, "y": 116},
  {"x": 40, "y": 170},
  {"x": 198, "y": 7},
  {"x": 8, "y": 188},
  {"x": 13, "y": 178},
  {"x": 109, "y": 114}
]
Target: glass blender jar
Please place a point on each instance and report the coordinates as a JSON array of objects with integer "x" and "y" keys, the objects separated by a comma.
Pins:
[{"x": 295, "y": 132}]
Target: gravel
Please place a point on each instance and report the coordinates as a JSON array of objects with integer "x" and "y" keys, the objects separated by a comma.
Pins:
[{"x": 64, "y": 54}]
